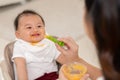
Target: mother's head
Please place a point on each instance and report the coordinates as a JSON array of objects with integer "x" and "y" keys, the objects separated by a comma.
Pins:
[{"x": 103, "y": 24}]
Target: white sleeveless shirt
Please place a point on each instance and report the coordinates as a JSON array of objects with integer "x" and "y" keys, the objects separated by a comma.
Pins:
[{"x": 40, "y": 58}]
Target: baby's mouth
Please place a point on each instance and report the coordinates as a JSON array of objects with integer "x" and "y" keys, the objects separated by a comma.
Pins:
[{"x": 35, "y": 35}]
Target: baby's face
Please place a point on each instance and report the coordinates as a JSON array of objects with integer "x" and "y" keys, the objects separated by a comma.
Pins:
[{"x": 30, "y": 28}]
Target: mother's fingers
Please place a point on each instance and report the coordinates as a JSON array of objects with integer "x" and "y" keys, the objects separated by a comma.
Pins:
[
  {"x": 85, "y": 77},
  {"x": 61, "y": 75},
  {"x": 61, "y": 49},
  {"x": 69, "y": 41}
]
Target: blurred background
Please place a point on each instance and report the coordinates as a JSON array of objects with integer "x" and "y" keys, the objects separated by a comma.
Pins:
[{"x": 62, "y": 18}]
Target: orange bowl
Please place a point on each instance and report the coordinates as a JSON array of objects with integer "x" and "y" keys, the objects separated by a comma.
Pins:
[{"x": 74, "y": 71}]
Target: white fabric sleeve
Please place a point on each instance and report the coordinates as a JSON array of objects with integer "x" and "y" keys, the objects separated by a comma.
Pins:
[{"x": 18, "y": 52}]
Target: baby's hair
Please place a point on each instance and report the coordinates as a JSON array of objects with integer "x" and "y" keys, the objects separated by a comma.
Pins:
[{"x": 26, "y": 12}]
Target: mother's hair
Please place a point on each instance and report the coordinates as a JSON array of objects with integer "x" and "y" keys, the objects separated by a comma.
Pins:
[{"x": 105, "y": 18}]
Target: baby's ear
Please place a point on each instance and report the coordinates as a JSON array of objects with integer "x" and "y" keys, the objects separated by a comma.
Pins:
[{"x": 17, "y": 34}]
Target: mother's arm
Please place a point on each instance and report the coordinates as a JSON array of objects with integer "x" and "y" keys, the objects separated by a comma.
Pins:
[{"x": 71, "y": 55}]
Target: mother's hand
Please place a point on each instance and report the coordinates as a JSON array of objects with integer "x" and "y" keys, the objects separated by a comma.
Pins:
[{"x": 71, "y": 50}]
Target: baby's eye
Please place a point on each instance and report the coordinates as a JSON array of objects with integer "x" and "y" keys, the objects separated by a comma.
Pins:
[
  {"x": 39, "y": 26},
  {"x": 28, "y": 27}
]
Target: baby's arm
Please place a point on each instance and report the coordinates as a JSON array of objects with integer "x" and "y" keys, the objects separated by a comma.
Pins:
[{"x": 21, "y": 69}]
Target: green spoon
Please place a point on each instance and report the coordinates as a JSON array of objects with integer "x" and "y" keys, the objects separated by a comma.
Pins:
[{"x": 55, "y": 40}]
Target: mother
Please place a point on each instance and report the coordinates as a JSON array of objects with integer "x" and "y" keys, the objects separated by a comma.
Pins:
[{"x": 102, "y": 19}]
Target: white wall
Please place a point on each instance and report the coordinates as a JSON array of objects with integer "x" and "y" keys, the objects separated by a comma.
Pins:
[
  {"x": 8, "y": 2},
  {"x": 3, "y": 43}
]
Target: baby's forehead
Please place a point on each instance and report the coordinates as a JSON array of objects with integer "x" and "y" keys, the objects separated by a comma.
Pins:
[
  {"x": 28, "y": 14},
  {"x": 28, "y": 17}
]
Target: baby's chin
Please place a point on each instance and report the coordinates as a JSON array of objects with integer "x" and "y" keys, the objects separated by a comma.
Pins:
[{"x": 36, "y": 40}]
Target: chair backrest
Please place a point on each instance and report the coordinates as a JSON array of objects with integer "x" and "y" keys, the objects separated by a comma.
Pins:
[{"x": 8, "y": 52}]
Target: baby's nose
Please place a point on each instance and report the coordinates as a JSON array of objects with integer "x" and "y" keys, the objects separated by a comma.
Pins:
[{"x": 35, "y": 29}]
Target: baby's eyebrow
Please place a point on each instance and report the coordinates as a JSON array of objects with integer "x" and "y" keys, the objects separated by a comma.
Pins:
[
  {"x": 39, "y": 23},
  {"x": 27, "y": 24}
]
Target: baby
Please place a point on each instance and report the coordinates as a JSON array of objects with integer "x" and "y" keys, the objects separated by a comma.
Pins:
[{"x": 34, "y": 56}]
